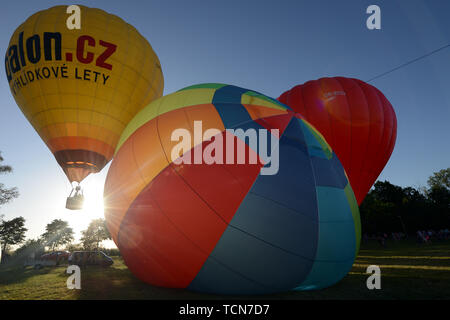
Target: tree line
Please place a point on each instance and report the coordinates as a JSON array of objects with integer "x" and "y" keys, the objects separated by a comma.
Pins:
[
  {"x": 390, "y": 208},
  {"x": 58, "y": 234}
]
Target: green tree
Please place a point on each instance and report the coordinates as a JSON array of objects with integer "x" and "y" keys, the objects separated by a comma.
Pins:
[
  {"x": 439, "y": 196},
  {"x": 391, "y": 208},
  {"x": 6, "y": 195},
  {"x": 74, "y": 247},
  {"x": 12, "y": 232},
  {"x": 58, "y": 233},
  {"x": 377, "y": 215},
  {"x": 439, "y": 189},
  {"x": 388, "y": 192},
  {"x": 95, "y": 234},
  {"x": 32, "y": 247},
  {"x": 440, "y": 179}
]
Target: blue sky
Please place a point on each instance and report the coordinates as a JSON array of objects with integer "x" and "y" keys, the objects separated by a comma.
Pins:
[{"x": 267, "y": 46}]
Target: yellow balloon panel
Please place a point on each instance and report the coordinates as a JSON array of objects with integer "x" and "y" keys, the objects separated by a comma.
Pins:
[{"x": 79, "y": 88}]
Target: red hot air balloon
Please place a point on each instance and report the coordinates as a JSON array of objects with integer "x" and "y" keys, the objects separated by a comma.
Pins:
[{"x": 355, "y": 118}]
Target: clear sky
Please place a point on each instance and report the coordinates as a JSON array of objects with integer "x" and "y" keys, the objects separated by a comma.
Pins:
[{"x": 267, "y": 46}]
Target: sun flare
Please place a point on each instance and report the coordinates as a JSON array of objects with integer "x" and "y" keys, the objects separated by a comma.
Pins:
[
  {"x": 92, "y": 188},
  {"x": 93, "y": 202}
]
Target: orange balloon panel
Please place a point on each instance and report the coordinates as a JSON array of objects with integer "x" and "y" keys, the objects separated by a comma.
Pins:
[
  {"x": 356, "y": 120},
  {"x": 79, "y": 88}
]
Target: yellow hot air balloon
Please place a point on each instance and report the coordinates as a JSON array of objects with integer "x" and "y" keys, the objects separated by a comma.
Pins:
[{"x": 79, "y": 88}]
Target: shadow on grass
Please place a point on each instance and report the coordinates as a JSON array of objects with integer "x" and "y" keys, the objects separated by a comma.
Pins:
[
  {"x": 408, "y": 271},
  {"x": 413, "y": 276},
  {"x": 120, "y": 283},
  {"x": 14, "y": 274}
]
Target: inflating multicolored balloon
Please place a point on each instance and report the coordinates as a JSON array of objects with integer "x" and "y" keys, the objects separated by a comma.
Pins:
[
  {"x": 79, "y": 88},
  {"x": 357, "y": 121},
  {"x": 223, "y": 226}
]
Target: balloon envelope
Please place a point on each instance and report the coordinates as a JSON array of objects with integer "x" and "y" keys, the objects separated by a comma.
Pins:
[
  {"x": 225, "y": 226},
  {"x": 357, "y": 121},
  {"x": 80, "y": 87}
]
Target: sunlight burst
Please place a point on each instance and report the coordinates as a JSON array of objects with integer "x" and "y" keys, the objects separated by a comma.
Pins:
[{"x": 93, "y": 204}]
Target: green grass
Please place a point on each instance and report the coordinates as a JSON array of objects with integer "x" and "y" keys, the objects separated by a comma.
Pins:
[{"x": 408, "y": 271}]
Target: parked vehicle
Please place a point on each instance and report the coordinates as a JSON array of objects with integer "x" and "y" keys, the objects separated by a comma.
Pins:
[
  {"x": 49, "y": 259},
  {"x": 84, "y": 258},
  {"x": 57, "y": 256},
  {"x": 38, "y": 263}
]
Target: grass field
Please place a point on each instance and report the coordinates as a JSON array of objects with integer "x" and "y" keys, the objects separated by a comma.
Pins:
[{"x": 408, "y": 271}]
